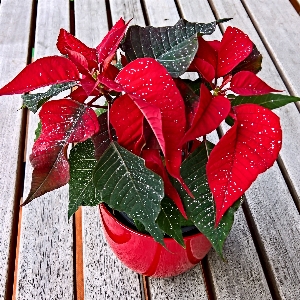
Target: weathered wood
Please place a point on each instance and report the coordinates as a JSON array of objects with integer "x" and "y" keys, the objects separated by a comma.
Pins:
[
  {"x": 278, "y": 24},
  {"x": 45, "y": 261},
  {"x": 129, "y": 9},
  {"x": 161, "y": 13},
  {"x": 105, "y": 277},
  {"x": 15, "y": 19}
]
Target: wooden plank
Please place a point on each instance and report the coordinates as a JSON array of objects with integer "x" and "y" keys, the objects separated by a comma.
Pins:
[
  {"x": 242, "y": 275},
  {"x": 271, "y": 209},
  {"x": 46, "y": 242},
  {"x": 278, "y": 24},
  {"x": 105, "y": 277},
  {"x": 161, "y": 13},
  {"x": 15, "y": 19},
  {"x": 128, "y": 9},
  {"x": 189, "y": 285}
]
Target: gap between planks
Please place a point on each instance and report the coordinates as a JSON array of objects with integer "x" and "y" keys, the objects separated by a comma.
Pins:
[
  {"x": 295, "y": 3},
  {"x": 264, "y": 261},
  {"x": 11, "y": 286},
  {"x": 78, "y": 249}
]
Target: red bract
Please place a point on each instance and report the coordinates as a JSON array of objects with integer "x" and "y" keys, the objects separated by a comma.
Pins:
[
  {"x": 44, "y": 71},
  {"x": 246, "y": 83},
  {"x": 211, "y": 111},
  {"x": 234, "y": 48},
  {"x": 249, "y": 148},
  {"x": 153, "y": 127},
  {"x": 153, "y": 162},
  {"x": 66, "y": 41},
  {"x": 153, "y": 90},
  {"x": 223, "y": 56},
  {"x": 128, "y": 124},
  {"x": 107, "y": 48},
  {"x": 63, "y": 122},
  {"x": 92, "y": 62}
]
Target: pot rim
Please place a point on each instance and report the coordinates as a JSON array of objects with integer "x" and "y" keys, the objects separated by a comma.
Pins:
[{"x": 104, "y": 206}]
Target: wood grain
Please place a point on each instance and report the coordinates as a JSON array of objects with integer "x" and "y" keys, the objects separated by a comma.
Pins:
[
  {"x": 45, "y": 267},
  {"x": 161, "y": 13},
  {"x": 278, "y": 24},
  {"x": 129, "y": 9},
  {"x": 15, "y": 19},
  {"x": 105, "y": 277}
]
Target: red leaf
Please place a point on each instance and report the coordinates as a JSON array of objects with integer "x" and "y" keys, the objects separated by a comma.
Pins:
[
  {"x": 153, "y": 162},
  {"x": 128, "y": 124},
  {"x": 102, "y": 139},
  {"x": 204, "y": 68},
  {"x": 63, "y": 122},
  {"x": 111, "y": 72},
  {"x": 79, "y": 60},
  {"x": 154, "y": 91},
  {"x": 79, "y": 94},
  {"x": 234, "y": 48},
  {"x": 44, "y": 71},
  {"x": 208, "y": 52},
  {"x": 246, "y": 83},
  {"x": 110, "y": 84},
  {"x": 210, "y": 113},
  {"x": 67, "y": 41},
  {"x": 89, "y": 84},
  {"x": 215, "y": 45},
  {"x": 249, "y": 148},
  {"x": 107, "y": 48}
]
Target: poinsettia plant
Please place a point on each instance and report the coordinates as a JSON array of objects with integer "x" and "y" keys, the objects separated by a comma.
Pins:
[{"x": 138, "y": 131}]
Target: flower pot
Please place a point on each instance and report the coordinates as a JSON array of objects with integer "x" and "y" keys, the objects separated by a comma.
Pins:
[{"x": 143, "y": 255}]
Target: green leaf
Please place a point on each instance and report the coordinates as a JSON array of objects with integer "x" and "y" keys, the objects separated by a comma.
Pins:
[
  {"x": 194, "y": 85},
  {"x": 270, "y": 101},
  {"x": 81, "y": 187},
  {"x": 34, "y": 101},
  {"x": 127, "y": 185},
  {"x": 201, "y": 209},
  {"x": 169, "y": 220},
  {"x": 38, "y": 130},
  {"x": 172, "y": 46},
  {"x": 140, "y": 227}
]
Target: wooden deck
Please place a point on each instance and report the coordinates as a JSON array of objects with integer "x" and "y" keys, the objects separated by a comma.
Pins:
[{"x": 43, "y": 256}]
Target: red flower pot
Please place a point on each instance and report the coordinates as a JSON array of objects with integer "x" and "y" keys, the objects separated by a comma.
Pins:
[{"x": 143, "y": 255}]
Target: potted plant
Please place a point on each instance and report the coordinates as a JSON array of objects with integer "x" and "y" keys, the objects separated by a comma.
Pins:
[{"x": 138, "y": 133}]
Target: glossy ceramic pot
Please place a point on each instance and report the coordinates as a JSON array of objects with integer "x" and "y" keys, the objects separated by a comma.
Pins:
[{"x": 143, "y": 255}]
